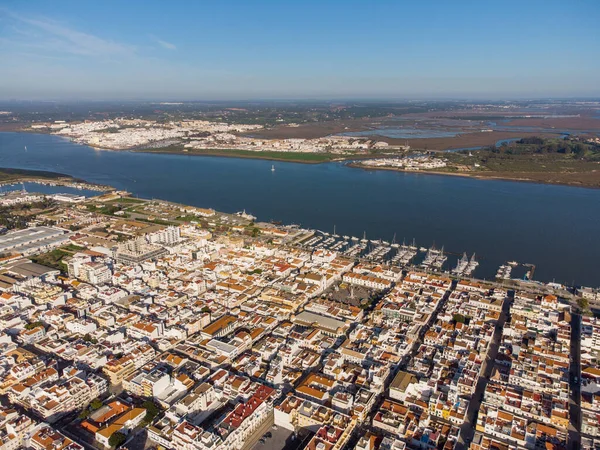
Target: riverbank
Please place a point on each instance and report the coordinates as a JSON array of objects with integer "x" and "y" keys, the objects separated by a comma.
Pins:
[
  {"x": 463, "y": 140},
  {"x": 589, "y": 178},
  {"x": 294, "y": 157},
  {"x": 499, "y": 221},
  {"x": 9, "y": 175},
  {"x": 561, "y": 179}
]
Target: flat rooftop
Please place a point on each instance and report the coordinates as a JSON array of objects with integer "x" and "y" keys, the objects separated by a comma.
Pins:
[
  {"x": 30, "y": 238},
  {"x": 30, "y": 269},
  {"x": 309, "y": 318}
]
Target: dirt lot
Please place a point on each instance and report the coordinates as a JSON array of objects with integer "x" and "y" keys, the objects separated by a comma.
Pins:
[
  {"x": 313, "y": 130},
  {"x": 562, "y": 124}
]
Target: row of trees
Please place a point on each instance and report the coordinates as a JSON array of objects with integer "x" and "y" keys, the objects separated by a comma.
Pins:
[
  {"x": 537, "y": 145},
  {"x": 16, "y": 217}
]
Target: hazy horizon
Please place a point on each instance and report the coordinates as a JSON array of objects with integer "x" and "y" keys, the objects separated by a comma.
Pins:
[{"x": 316, "y": 100}]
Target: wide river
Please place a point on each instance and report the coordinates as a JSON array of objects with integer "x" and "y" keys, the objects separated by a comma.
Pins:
[{"x": 554, "y": 227}]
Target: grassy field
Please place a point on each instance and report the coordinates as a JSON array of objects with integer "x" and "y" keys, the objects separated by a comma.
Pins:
[
  {"x": 55, "y": 257},
  {"x": 524, "y": 162},
  {"x": 8, "y": 174},
  {"x": 127, "y": 200},
  {"x": 548, "y": 161},
  {"x": 310, "y": 158}
]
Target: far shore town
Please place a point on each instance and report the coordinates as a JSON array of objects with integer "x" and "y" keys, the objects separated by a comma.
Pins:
[{"x": 123, "y": 134}]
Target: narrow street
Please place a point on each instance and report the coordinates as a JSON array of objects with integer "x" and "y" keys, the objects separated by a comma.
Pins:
[
  {"x": 467, "y": 430},
  {"x": 366, "y": 427},
  {"x": 574, "y": 439}
]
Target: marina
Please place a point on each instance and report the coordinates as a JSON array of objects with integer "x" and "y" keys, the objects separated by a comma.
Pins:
[
  {"x": 434, "y": 259},
  {"x": 465, "y": 266},
  {"x": 504, "y": 272},
  {"x": 409, "y": 257},
  {"x": 384, "y": 252}
]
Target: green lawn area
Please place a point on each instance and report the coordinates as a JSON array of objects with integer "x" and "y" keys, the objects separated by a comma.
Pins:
[
  {"x": 72, "y": 248},
  {"x": 55, "y": 257},
  {"x": 523, "y": 163},
  {"x": 276, "y": 156},
  {"x": 284, "y": 156},
  {"x": 109, "y": 210},
  {"x": 9, "y": 174},
  {"x": 189, "y": 218},
  {"x": 52, "y": 259},
  {"x": 126, "y": 200}
]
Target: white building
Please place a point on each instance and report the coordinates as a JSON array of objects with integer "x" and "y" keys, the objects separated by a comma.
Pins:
[{"x": 81, "y": 326}]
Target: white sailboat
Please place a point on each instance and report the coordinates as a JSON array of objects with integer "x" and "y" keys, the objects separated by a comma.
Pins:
[{"x": 273, "y": 168}]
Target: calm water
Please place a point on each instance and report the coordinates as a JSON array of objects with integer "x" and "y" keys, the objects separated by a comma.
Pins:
[
  {"x": 554, "y": 227},
  {"x": 46, "y": 189},
  {"x": 403, "y": 133}
]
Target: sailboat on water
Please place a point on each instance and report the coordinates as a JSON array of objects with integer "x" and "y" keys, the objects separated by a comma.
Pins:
[{"x": 335, "y": 235}]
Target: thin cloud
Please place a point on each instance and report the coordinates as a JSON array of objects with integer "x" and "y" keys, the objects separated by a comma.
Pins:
[
  {"x": 165, "y": 44},
  {"x": 60, "y": 38}
]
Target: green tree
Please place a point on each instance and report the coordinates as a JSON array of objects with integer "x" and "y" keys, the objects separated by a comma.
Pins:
[
  {"x": 88, "y": 338},
  {"x": 151, "y": 409},
  {"x": 117, "y": 439},
  {"x": 579, "y": 149},
  {"x": 459, "y": 318},
  {"x": 151, "y": 412},
  {"x": 583, "y": 303},
  {"x": 32, "y": 325},
  {"x": 96, "y": 404}
]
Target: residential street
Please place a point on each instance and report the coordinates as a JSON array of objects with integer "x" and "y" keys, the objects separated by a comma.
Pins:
[
  {"x": 468, "y": 428},
  {"x": 575, "y": 380}
]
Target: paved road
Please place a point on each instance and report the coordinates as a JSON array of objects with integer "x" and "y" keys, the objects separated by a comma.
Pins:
[
  {"x": 284, "y": 439},
  {"x": 574, "y": 439},
  {"x": 467, "y": 430}
]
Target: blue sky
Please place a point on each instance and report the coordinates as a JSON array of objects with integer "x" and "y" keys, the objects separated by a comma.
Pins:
[{"x": 195, "y": 50}]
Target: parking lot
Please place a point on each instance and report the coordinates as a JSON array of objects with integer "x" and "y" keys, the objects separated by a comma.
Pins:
[{"x": 283, "y": 439}]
